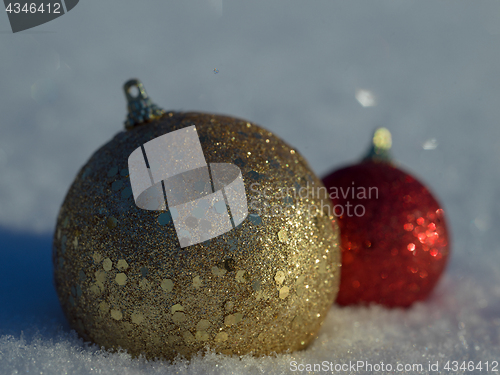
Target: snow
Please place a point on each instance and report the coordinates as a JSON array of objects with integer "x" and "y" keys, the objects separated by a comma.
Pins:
[
  {"x": 461, "y": 321},
  {"x": 320, "y": 74}
]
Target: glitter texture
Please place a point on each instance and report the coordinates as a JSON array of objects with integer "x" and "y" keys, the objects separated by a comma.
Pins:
[
  {"x": 395, "y": 252},
  {"x": 256, "y": 289}
]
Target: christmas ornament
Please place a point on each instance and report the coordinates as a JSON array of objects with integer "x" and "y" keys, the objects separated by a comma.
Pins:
[
  {"x": 394, "y": 239},
  {"x": 126, "y": 278}
]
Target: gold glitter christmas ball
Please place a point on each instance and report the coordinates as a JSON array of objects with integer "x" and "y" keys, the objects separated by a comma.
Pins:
[{"x": 126, "y": 277}]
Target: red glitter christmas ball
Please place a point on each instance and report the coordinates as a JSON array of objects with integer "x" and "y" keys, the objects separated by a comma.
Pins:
[{"x": 394, "y": 238}]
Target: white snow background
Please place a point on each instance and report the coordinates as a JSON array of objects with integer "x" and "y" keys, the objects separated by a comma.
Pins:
[{"x": 320, "y": 74}]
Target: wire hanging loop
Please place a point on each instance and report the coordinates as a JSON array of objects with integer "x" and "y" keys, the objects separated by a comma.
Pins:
[{"x": 141, "y": 109}]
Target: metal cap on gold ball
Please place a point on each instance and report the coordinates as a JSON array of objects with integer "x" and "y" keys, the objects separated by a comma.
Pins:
[{"x": 127, "y": 278}]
